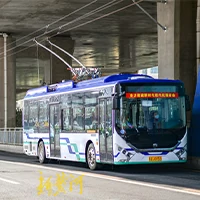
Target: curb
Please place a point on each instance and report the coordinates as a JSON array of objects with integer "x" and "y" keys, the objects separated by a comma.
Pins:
[{"x": 11, "y": 148}]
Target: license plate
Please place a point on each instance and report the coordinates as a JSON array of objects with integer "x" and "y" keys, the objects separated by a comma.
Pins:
[{"x": 155, "y": 158}]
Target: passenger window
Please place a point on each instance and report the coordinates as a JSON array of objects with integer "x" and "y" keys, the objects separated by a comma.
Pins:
[
  {"x": 43, "y": 117},
  {"x": 78, "y": 112},
  {"x": 66, "y": 110},
  {"x": 33, "y": 116},
  {"x": 91, "y": 111}
]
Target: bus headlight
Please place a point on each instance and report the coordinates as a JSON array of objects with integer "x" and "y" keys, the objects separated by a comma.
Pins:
[
  {"x": 180, "y": 152},
  {"x": 128, "y": 154}
]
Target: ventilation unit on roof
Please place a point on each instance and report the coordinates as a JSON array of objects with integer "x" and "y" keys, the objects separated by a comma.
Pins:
[
  {"x": 52, "y": 88},
  {"x": 140, "y": 77},
  {"x": 66, "y": 85},
  {"x": 61, "y": 86}
]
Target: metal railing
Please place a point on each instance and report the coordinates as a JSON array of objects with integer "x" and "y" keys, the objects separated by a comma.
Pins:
[{"x": 11, "y": 136}]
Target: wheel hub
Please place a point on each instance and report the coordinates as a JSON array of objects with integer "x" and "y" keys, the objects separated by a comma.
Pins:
[
  {"x": 91, "y": 157},
  {"x": 41, "y": 152}
]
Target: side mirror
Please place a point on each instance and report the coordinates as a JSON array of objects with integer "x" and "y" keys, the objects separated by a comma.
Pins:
[{"x": 187, "y": 103}]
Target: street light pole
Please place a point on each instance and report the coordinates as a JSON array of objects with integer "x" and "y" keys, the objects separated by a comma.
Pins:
[{"x": 5, "y": 81}]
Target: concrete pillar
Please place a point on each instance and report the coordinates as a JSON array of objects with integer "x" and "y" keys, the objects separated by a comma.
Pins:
[
  {"x": 58, "y": 70},
  {"x": 30, "y": 67},
  {"x": 11, "y": 85},
  {"x": 127, "y": 59},
  {"x": 177, "y": 53},
  {"x": 177, "y": 46}
]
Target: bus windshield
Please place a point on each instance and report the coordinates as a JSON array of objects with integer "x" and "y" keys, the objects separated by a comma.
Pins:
[{"x": 153, "y": 113}]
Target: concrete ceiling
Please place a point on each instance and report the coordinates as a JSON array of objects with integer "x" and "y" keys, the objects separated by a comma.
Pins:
[{"x": 126, "y": 40}]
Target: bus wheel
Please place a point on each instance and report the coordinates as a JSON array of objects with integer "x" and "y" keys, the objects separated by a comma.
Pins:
[
  {"x": 91, "y": 157},
  {"x": 41, "y": 153}
]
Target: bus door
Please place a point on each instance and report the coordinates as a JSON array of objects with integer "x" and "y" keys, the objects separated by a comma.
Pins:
[
  {"x": 105, "y": 130},
  {"x": 54, "y": 130}
]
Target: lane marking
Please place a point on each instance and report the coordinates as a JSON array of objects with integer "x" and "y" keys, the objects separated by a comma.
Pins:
[
  {"x": 9, "y": 181},
  {"x": 111, "y": 178}
]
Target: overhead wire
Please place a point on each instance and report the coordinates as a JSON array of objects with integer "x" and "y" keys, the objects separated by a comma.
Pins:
[
  {"x": 105, "y": 15},
  {"x": 75, "y": 20},
  {"x": 112, "y": 3},
  {"x": 52, "y": 23},
  {"x": 101, "y": 8},
  {"x": 125, "y": 7}
]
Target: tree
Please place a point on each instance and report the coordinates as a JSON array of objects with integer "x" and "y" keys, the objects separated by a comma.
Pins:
[{"x": 18, "y": 117}]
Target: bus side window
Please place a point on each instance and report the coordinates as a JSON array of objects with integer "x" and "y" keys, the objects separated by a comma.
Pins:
[
  {"x": 66, "y": 112},
  {"x": 66, "y": 119},
  {"x": 91, "y": 111},
  {"x": 33, "y": 116},
  {"x": 78, "y": 111},
  {"x": 26, "y": 114},
  {"x": 43, "y": 117}
]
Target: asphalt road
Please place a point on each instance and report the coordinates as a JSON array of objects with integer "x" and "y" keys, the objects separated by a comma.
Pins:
[{"x": 22, "y": 177}]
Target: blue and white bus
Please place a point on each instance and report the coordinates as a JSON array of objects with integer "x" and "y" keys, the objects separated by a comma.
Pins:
[{"x": 118, "y": 119}]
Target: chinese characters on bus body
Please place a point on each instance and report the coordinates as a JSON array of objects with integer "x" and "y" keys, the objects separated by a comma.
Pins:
[{"x": 152, "y": 95}]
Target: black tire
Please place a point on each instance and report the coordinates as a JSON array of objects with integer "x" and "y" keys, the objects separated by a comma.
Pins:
[
  {"x": 91, "y": 157},
  {"x": 41, "y": 153}
]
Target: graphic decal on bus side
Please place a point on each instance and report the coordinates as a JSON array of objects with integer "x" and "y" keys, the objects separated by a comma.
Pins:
[
  {"x": 69, "y": 146},
  {"x": 76, "y": 152}
]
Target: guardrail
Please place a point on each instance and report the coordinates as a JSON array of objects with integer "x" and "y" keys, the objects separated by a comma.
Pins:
[{"x": 11, "y": 136}]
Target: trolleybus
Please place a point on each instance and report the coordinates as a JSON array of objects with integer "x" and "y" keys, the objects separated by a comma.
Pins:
[{"x": 118, "y": 119}]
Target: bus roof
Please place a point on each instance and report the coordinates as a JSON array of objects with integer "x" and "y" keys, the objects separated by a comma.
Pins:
[{"x": 97, "y": 82}]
